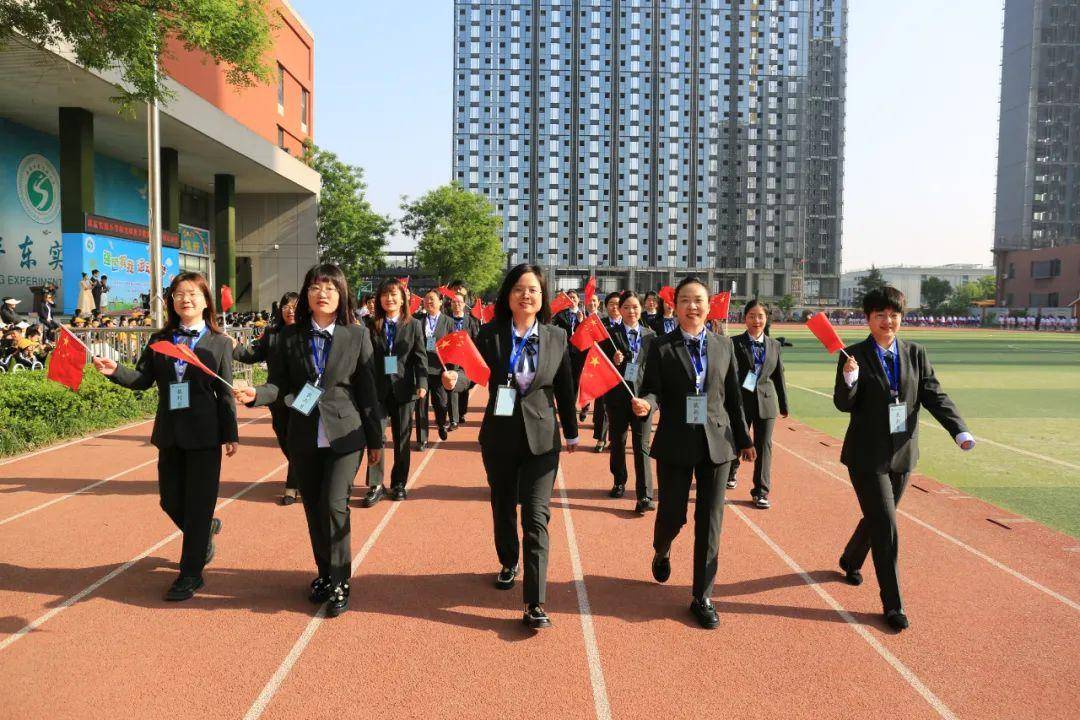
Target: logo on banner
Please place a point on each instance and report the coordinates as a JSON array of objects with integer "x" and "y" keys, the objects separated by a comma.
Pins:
[
  {"x": 39, "y": 188},
  {"x": 89, "y": 244}
]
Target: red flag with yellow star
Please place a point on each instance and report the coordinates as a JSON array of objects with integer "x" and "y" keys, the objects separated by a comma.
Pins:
[
  {"x": 598, "y": 376},
  {"x": 457, "y": 348}
]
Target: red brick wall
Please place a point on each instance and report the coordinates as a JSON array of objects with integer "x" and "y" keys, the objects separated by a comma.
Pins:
[{"x": 1022, "y": 284}]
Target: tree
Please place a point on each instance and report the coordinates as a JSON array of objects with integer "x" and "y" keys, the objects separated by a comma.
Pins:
[
  {"x": 458, "y": 236},
  {"x": 133, "y": 35},
  {"x": 872, "y": 280},
  {"x": 935, "y": 292},
  {"x": 963, "y": 297},
  {"x": 785, "y": 304},
  {"x": 350, "y": 233}
]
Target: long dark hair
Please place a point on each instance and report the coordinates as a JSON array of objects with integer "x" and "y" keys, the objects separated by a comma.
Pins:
[
  {"x": 502, "y": 302},
  {"x": 326, "y": 272},
  {"x": 172, "y": 322},
  {"x": 386, "y": 286},
  {"x": 278, "y": 320}
]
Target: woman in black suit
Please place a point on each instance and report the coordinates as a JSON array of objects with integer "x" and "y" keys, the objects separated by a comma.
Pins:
[
  {"x": 196, "y": 417},
  {"x": 401, "y": 377},
  {"x": 462, "y": 319},
  {"x": 322, "y": 367},
  {"x": 261, "y": 350},
  {"x": 519, "y": 435}
]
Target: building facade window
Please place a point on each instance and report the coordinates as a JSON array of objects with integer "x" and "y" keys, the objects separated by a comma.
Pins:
[
  {"x": 280, "y": 89},
  {"x": 304, "y": 100}
]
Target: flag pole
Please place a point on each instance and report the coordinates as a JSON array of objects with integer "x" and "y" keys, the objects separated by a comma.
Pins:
[{"x": 621, "y": 378}]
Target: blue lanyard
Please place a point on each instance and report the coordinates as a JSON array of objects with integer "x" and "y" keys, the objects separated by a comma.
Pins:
[
  {"x": 699, "y": 362},
  {"x": 669, "y": 324},
  {"x": 634, "y": 340},
  {"x": 759, "y": 355},
  {"x": 515, "y": 354},
  {"x": 459, "y": 323},
  {"x": 319, "y": 359},
  {"x": 389, "y": 336},
  {"x": 180, "y": 365},
  {"x": 892, "y": 370},
  {"x": 432, "y": 321}
]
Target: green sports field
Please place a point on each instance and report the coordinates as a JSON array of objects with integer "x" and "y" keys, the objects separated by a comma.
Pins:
[{"x": 1018, "y": 391}]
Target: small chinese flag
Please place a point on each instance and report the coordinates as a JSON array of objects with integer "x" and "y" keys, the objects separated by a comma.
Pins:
[
  {"x": 561, "y": 302},
  {"x": 718, "y": 306},
  {"x": 590, "y": 290},
  {"x": 489, "y": 312},
  {"x": 446, "y": 292},
  {"x": 67, "y": 360},
  {"x": 478, "y": 310},
  {"x": 226, "y": 298},
  {"x": 598, "y": 376},
  {"x": 180, "y": 352},
  {"x": 824, "y": 331},
  {"x": 457, "y": 348},
  {"x": 589, "y": 332},
  {"x": 404, "y": 282},
  {"x": 667, "y": 294},
  {"x": 414, "y": 303}
]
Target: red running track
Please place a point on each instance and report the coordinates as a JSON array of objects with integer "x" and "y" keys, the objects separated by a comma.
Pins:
[{"x": 85, "y": 555}]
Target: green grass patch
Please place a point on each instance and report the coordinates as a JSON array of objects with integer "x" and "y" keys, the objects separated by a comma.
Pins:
[{"x": 1018, "y": 389}]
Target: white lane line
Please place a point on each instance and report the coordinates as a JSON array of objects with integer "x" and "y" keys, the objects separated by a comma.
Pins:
[
  {"x": 69, "y": 443},
  {"x": 956, "y": 541},
  {"x": 592, "y": 649},
  {"x": 121, "y": 569},
  {"x": 91, "y": 486},
  {"x": 903, "y": 670},
  {"x": 979, "y": 438},
  {"x": 274, "y": 683}
]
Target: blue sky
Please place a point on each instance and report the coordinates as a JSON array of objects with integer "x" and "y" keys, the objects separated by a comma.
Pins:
[{"x": 921, "y": 135}]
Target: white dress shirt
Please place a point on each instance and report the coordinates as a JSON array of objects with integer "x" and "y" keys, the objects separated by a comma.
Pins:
[{"x": 321, "y": 439}]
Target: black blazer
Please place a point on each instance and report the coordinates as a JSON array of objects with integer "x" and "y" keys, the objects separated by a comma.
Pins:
[
  {"x": 621, "y": 340},
  {"x": 657, "y": 324},
  {"x": 412, "y": 362},
  {"x": 553, "y": 385},
  {"x": 348, "y": 405},
  {"x": 471, "y": 324},
  {"x": 868, "y": 444},
  {"x": 669, "y": 379},
  {"x": 443, "y": 327},
  {"x": 770, "y": 398},
  {"x": 8, "y": 314},
  {"x": 210, "y": 420},
  {"x": 260, "y": 349}
]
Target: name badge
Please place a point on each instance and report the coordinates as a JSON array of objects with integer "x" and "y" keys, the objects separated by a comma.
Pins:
[
  {"x": 307, "y": 399},
  {"x": 431, "y": 343},
  {"x": 390, "y": 365},
  {"x": 750, "y": 383},
  {"x": 630, "y": 372},
  {"x": 179, "y": 396},
  {"x": 505, "y": 398},
  {"x": 696, "y": 409},
  {"x": 898, "y": 417}
]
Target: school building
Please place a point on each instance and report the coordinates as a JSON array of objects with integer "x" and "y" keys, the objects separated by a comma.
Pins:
[{"x": 238, "y": 203}]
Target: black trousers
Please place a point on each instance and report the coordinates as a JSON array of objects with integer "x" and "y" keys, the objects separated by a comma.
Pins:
[
  {"x": 188, "y": 482},
  {"x": 763, "y": 432},
  {"x": 399, "y": 416},
  {"x": 522, "y": 479},
  {"x": 876, "y": 533},
  {"x": 621, "y": 421},
  {"x": 463, "y": 403},
  {"x": 326, "y": 480},
  {"x": 437, "y": 398},
  {"x": 708, "y": 515},
  {"x": 279, "y": 420},
  {"x": 600, "y": 420}
]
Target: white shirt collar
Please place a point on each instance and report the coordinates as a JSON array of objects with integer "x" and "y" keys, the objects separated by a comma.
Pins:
[
  {"x": 891, "y": 347},
  {"x": 534, "y": 330},
  {"x": 393, "y": 319},
  {"x": 197, "y": 327},
  {"x": 635, "y": 327},
  {"x": 688, "y": 336},
  {"x": 329, "y": 328},
  {"x": 759, "y": 338}
]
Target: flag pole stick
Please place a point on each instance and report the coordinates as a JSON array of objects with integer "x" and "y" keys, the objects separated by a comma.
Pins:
[{"x": 621, "y": 378}]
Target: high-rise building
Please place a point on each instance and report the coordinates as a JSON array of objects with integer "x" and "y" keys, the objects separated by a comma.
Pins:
[
  {"x": 638, "y": 140},
  {"x": 1037, "y": 213}
]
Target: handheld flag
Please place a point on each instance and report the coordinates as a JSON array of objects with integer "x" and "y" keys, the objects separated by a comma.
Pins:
[
  {"x": 404, "y": 281},
  {"x": 477, "y": 310},
  {"x": 226, "y": 298},
  {"x": 67, "y": 360},
  {"x": 667, "y": 294},
  {"x": 824, "y": 331},
  {"x": 589, "y": 332},
  {"x": 414, "y": 303},
  {"x": 598, "y": 376},
  {"x": 561, "y": 302},
  {"x": 718, "y": 306},
  {"x": 186, "y": 354},
  {"x": 446, "y": 292},
  {"x": 457, "y": 348},
  {"x": 590, "y": 290},
  {"x": 489, "y": 312}
]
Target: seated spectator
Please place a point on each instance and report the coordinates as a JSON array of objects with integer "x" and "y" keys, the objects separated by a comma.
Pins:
[{"x": 8, "y": 315}]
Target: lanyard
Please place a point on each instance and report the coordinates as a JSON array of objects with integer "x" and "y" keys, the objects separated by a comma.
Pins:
[
  {"x": 180, "y": 365},
  {"x": 669, "y": 324},
  {"x": 759, "y": 354},
  {"x": 319, "y": 359},
  {"x": 699, "y": 362},
  {"x": 390, "y": 334},
  {"x": 892, "y": 370},
  {"x": 634, "y": 340},
  {"x": 459, "y": 323},
  {"x": 432, "y": 321},
  {"x": 515, "y": 354}
]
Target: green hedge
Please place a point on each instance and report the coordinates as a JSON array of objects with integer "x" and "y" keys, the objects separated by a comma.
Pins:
[{"x": 35, "y": 411}]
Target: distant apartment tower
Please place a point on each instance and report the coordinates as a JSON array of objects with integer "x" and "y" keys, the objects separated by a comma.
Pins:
[
  {"x": 641, "y": 140},
  {"x": 1037, "y": 215}
]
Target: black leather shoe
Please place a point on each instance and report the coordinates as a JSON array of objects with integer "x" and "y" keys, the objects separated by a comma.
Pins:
[
  {"x": 644, "y": 506},
  {"x": 732, "y": 484},
  {"x": 215, "y": 528},
  {"x": 601, "y": 446},
  {"x": 184, "y": 588},
  {"x": 762, "y": 503},
  {"x": 897, "y": 620},
  {"x": 582, "y": 414},
  {"x": 453, "y": 426},
  {"x": 320, "y": 590},
  {"x": 290, "y": 496},
  {"x": 536, "y": 618},
  {"x": 398, "y": 492},
  {"x": 705, "y": 613},
  {"x": 617, "y": 491},
  {"x": 661, "y": 568},
  {"x": 422, "y": 445},
  {"x": 505, "y": 579},
  {"x": 442, "y": 432},
  {"x": 851, "y": 576},
  {"x": 373, "y": 496},
  {"x": 338, "y": 600}
]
